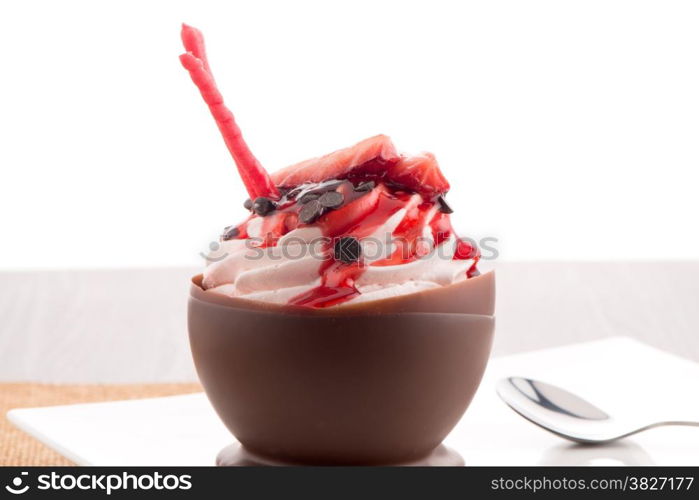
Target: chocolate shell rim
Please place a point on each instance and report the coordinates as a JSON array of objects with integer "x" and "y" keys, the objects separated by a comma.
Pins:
[{"x": 402, "y": 304}]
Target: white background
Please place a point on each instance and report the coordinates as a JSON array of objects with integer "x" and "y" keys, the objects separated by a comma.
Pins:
[{"x": 567, "y": 129}]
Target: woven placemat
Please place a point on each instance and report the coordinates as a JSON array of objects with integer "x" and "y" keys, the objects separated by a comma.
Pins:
[{"x": 18, "y": 448}]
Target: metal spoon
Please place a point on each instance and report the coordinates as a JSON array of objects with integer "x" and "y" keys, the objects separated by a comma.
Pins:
[{"x": 566, "y": 414}]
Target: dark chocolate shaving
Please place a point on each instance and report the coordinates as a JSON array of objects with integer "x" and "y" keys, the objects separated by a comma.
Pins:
[
  {"x": 365, "y": 186},
  {"x": 263, "y": 206},
  {"x": 347, "y": 249},
  {"x": 331, "y": 199},
  {"x": 308, "y": 197},
  {"x": 443, "y": 205},
  {"x": 310, "y": 212},
  {"x": 230, "y": 233}
]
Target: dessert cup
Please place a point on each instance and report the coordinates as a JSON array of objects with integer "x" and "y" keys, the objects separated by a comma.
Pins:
[{"x": 376, "y": 383}]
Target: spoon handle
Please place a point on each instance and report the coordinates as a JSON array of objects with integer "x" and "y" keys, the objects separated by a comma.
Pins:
[{"x": 690, "y": 423}]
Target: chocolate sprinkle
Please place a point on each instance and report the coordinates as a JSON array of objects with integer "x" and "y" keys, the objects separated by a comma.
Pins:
[
  {"x": 365, "y": 186},
  {"x": 347, "y": 249},
  {"x": 443, "y": 205},
  {"x": 263, "y": 206},
  {"x": 308, "y": 197},
  {"x": 310, "y": 211},
  {"x": 331, "y": 199},
  {"x": 229, "y": 233},
  {"x": 248, "y": 204},
  {"x": 329, "y": 185}
]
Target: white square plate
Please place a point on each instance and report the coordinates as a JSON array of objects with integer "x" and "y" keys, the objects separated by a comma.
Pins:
[{"x": 619, "y": 375}]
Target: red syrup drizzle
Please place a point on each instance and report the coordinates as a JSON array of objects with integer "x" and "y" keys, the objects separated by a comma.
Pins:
[
  {"x": 337, "y": 285},
  {"x": 407, "y": 237},
  {"x": 465, "y": 250},
  {"x": 358, "y": 219}
]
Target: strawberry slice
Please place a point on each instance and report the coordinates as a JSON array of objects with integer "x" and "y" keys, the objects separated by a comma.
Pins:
[
  {"x": 419, "y": 173},
  {"x": 369, "y": 158},
  {"x": 256, "y": 179},
  {"x": 372, "y": 158},
  {"x": 339, "y": 222}
]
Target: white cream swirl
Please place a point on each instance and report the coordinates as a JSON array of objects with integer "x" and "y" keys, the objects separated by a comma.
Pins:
[{"x": 292, "y": 267}]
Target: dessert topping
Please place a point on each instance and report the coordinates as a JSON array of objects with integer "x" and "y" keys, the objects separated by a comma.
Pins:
[
  {"x": 306, "y": 197},
  {"x": 256, "y": 179},
  {"x": 263, "y": 206},
  {"x": 230, "y": 233},
  {"x": 310, "y": 211},
  {"x": 331, "y": 199},
  {"x": 355, "y": 192},
  {"x": 443, "y": 205},
  {"x": 347, "y": 249},
  {"x": 363, "y": 187}
]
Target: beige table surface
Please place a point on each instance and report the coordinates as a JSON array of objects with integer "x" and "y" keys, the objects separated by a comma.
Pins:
[{"x": 129, "y": 326}]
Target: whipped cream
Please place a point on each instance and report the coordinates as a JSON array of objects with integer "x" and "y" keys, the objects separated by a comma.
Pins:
[{"x": 277, "y": 274}]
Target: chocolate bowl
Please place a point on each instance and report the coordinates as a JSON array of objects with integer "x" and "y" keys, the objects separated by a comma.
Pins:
[{"x": 377, "y": 383}]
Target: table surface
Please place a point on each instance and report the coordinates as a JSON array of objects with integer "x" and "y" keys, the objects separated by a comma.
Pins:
[
  {"x": 184, "y": 430},
  {"x": 121, "y": 326}
]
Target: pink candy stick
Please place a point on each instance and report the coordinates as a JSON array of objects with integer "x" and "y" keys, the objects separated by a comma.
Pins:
[
  {"x": 255, "y": 177},
  {"x": 193, "y": 42}
]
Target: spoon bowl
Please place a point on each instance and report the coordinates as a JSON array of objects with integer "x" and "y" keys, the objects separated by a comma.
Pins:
[{"x": 568, "y": 415}]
